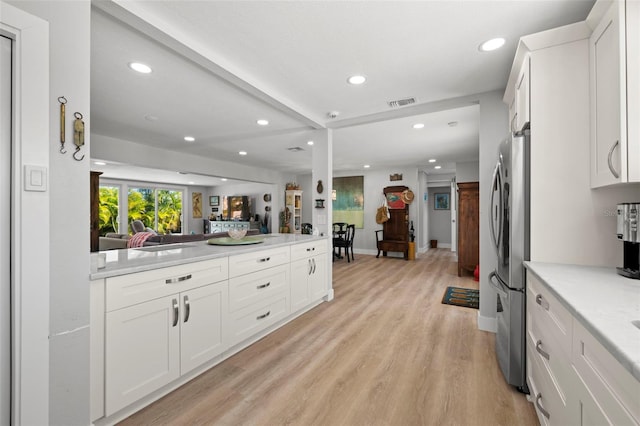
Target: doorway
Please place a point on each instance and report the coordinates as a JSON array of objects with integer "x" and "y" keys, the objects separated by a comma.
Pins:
[{"x": 6, "y": 46}]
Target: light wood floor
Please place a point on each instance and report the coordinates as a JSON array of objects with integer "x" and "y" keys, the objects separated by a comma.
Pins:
[{"x": 385, "y": 351}]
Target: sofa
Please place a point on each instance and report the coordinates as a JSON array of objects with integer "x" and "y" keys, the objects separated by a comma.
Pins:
[{"x": 115, "y": 241}]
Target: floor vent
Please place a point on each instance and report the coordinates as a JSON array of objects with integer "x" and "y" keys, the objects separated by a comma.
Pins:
[{"x": 402, "y": 102}]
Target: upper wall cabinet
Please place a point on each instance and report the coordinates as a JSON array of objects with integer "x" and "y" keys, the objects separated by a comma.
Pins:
[
  {"x": 615, "y": 93},
  {"x": 519, "y": 106}
]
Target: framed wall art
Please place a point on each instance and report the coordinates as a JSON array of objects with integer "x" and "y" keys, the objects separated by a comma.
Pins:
[
  {"x": 348, "y": 204},
  {"x": 214, "y": 200},
  {"x": 196, "y": 204},
  {"x": 441, "y": 202}
]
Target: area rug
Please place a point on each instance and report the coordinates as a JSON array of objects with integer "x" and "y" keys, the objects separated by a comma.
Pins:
[
  {"x": 466, "y": 297},
  {"x": 458, "y": 296}
]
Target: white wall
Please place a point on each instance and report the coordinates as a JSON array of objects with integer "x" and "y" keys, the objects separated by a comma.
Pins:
[
  {"x": 468, "y": 171},
  {"x": 69, "y": 36},
  {"x": 374, "y": 182}
]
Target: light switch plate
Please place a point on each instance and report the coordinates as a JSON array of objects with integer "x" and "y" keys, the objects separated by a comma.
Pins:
[{"x": 35, "y": 178}]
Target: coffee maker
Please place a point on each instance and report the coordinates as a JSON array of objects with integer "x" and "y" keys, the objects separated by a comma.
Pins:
[{"x": 627, "y": 230}]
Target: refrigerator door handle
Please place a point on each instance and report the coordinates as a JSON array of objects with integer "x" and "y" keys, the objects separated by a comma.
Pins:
[
  {"x": 497, "y": 286},
  {"x": 496, "y": 185}
]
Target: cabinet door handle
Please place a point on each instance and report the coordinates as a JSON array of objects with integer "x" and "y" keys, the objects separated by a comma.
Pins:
[
  {"x": 264, "y": 285},
  {"x": 540, "y": 301},
  {"x": 263, "y": 316},
  {"x": 540, "y": 351},
  {"x": 309, "y": 267},
  {"x": 613, "y": 171},
  {"x": 175, "y": 312},
  {"x": 264, "y": 259},
  {"x": 187, "y": 308},
  {"x": 177, "y": 280},
  {"x": 542, "y": 410},
  {"x": 314, "y": 266}
]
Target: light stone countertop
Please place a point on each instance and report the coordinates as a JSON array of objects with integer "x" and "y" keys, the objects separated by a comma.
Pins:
[
  {"x": 127, "y": 261},
  {"x": 604, "y": 302}
]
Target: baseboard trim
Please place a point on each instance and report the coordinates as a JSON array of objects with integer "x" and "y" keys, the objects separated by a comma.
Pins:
[
  {"x": 329, "y": 296},
  {"x": 487, "y": 323}
]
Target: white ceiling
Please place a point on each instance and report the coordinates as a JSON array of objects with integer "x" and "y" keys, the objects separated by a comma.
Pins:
[{"x": 288, "y": 61}]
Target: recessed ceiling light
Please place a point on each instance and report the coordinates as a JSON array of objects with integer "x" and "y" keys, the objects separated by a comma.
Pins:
[
  {"x": 356, "y": 79},
  {"x": 432, "y": 160},
  {"x": 309, "y": 142},
  {"x": 418, "y": 126},
  {"x": 437, "y": 167},
  {"x": 191, "y": 182},
  {"x": 141, "y": 68},
  {"x": 242, "y": 153},
  {"x": 99, "y": 163},
  {"x": 263, "y": 122},
  {"x": 366, "y": 166},
  {"x": 493, "y": 44},
  {"x": 189, "y": 138},
  {"x": 224, "y": 179}
]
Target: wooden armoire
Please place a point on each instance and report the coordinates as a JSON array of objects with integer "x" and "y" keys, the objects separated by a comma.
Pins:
[
  {"x": 468, "y": 226},
  {"x": 395, "y": 231}
]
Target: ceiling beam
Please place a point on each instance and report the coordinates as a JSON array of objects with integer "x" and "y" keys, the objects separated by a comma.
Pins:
[
  {"x": 193, "y": 50},
  {"x": 408, "y": 111}
]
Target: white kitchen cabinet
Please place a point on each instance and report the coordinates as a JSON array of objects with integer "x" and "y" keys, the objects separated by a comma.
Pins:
[
  {"x": 549, "y": 369},
  {"x": 522, "y": 99},
  {"x": 614, "y": 57},
  {"x": 607, "y": 393},
  {"x": 572, "y": 378},
  {"x": 308, "y": 273},
  {"x": 259, "y": 292},
  {"x": 142, "y": 351},
  {"x": 152, "y": 338}
]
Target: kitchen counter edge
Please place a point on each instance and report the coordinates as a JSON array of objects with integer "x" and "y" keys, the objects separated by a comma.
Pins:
[{"x": 128, "y": 261}]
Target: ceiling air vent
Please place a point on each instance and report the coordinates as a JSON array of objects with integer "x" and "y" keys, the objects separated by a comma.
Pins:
[
  {"x": 402, "y": 102},
  {"x": 295, "y": 149}
]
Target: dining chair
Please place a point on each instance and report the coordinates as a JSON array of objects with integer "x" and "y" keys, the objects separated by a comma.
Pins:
[{"x": 346, "y": 242}]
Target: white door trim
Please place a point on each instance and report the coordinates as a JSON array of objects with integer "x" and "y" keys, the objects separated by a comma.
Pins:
[{"x": 29, "y": 217}]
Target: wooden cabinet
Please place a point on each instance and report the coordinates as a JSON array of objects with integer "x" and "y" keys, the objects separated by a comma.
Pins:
[
  {"x": 94, "y": 202},
  {"x": 395, "y": 231},
  {"x": 160, "y": 325},
  {"x": 614, "y": 57},
  {"x": 293, "y": 203},
  {"x": 308, "y": 274},
  {"x": 468, "y": 226}
]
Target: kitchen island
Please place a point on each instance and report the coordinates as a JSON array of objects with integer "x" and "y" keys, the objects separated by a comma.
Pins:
[
  {"x": 583, "y": 344},
  {"x": 162, "y": 315}
]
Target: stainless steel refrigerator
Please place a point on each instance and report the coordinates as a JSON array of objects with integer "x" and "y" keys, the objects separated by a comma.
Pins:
[{"x": 510, "y": 235}]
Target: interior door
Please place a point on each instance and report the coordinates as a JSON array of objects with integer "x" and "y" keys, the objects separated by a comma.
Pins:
[{"x": 5, "y": 229}]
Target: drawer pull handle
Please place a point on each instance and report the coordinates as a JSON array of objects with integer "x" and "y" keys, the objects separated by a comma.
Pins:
[
  {"x": 177, "y": 280},
  {"x": 264, "y": 259},
  {"x": 540, "y": 351},
  {"x": 175, "y": 312},
  {"x": 540, "y": 301},
  {"x": 263, "y": 316},
  {"x": 187, "y": 308},
  {"x": 311, "y": 249},
  {"x": 264, "y": 285},
  {"x": 542, "y": 410}
]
